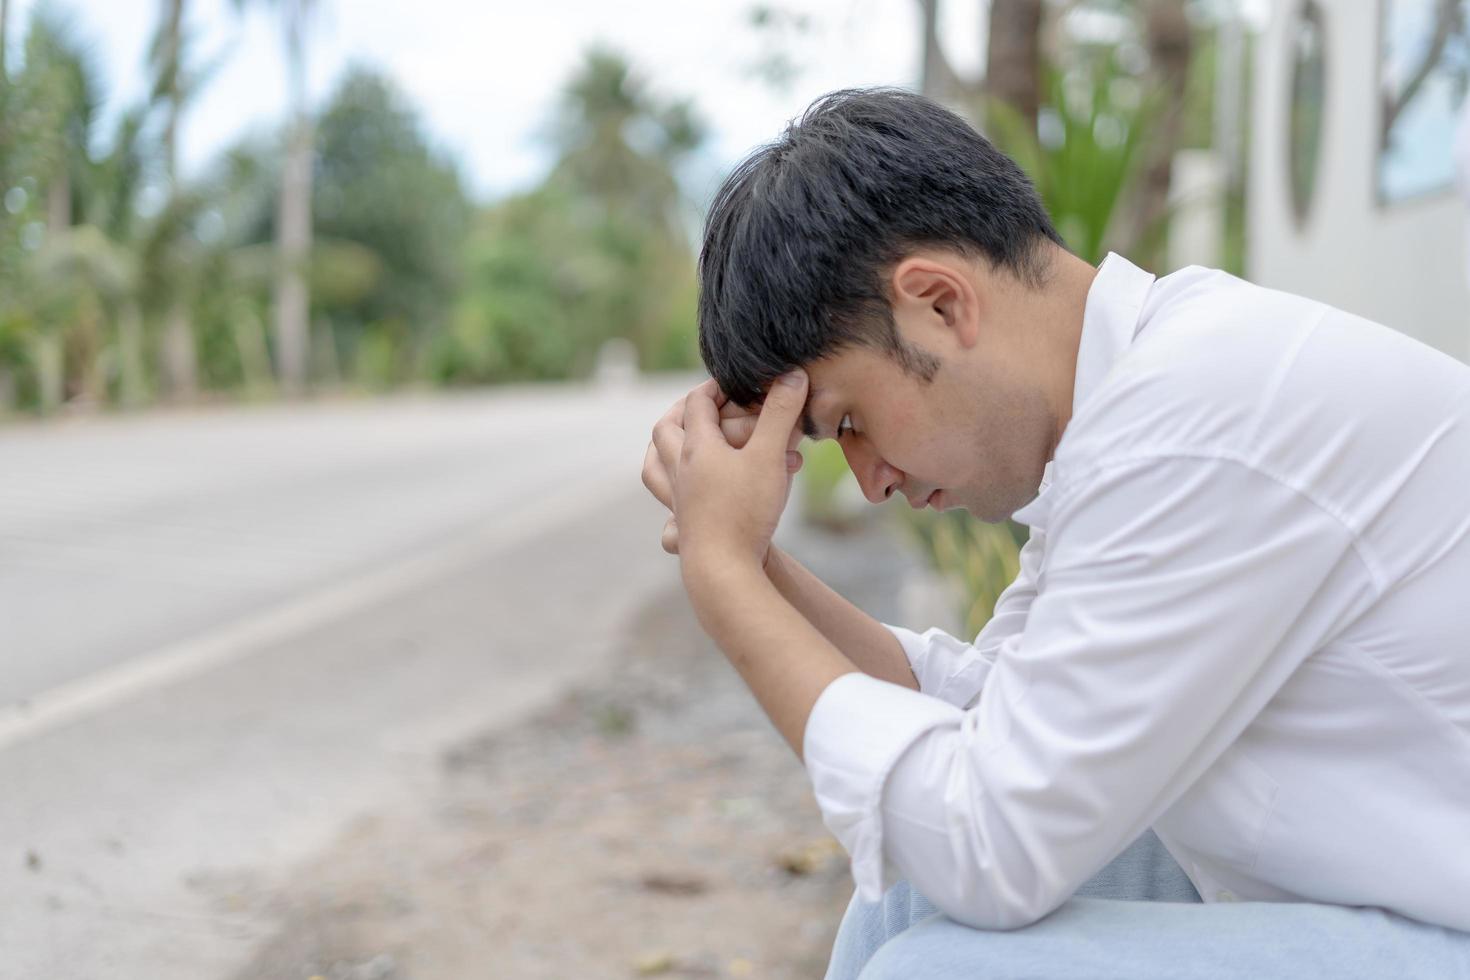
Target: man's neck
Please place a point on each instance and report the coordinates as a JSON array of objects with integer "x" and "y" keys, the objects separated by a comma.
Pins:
[{"x": 1062, "y": 307}]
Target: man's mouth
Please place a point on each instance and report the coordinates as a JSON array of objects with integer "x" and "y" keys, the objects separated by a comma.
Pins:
[{"x": 925, "y": 502}]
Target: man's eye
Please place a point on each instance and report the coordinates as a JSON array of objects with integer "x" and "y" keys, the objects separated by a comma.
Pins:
[{"x": 844, "y": 426}]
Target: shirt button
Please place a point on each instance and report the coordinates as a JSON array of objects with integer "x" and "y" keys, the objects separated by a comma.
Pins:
[{"x": 1224, "y": 895}]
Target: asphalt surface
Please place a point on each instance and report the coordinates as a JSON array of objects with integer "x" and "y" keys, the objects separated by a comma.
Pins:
[{"x": 228, "y": 632}]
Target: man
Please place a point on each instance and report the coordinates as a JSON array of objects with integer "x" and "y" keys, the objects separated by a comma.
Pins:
[{"x": 1240, "y": 635}]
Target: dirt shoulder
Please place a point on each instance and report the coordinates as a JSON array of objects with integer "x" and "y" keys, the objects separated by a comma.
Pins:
[{"x": 649, "y": 823}]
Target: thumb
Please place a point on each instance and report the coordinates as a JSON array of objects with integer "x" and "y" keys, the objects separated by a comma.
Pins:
[{"x": 779, "y": 413}]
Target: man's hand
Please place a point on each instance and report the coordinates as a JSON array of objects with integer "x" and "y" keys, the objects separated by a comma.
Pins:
[
  {"x": 727, "y": 501},
  {"x": 661, "y": 461}
]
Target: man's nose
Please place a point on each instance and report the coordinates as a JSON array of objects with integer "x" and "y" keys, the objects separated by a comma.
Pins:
[{"x": 876, "y": 477}]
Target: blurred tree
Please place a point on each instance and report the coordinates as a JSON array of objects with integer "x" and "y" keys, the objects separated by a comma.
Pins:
[
  {"x": 171, "y": 89},
  {"x": 619, "y": 152},
  {"x": 1013, "y": 56},
  {"x": 4, "y": 39},
  {"x": 1169, "y": 40},
  {"x": 620, "y": 146},
  {"x": 53, "y": 106},
  {"x": 1013, "y": 73},
  {"x": 1448, "y": 24},
  {"x": 392, "y": 218},
  {"x": 780, "y": 29},
  {"x": 600, "y": 250},
  {"x": 293, "y": 220}
]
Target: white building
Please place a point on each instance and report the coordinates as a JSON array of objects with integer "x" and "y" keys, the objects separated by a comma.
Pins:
[{"x": 1381, "y": 233}]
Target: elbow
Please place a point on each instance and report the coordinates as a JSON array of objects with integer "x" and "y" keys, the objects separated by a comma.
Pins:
[{"x": 982, "y": 899}]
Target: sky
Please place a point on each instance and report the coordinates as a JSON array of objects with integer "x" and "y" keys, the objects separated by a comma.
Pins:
[{"x": 485, "y": 75}]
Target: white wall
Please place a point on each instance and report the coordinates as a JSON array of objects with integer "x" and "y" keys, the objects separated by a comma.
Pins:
[{"x": 1403, "y": 264}]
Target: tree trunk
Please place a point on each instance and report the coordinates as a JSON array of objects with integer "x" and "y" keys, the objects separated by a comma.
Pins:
[
  {"x": 50, "y": 369},
  {"x": 294, "y": 244},
  {"x": 1013, "y": 56},
  {"x": 250, "y": 342},
  {"x": 936, "y": 78},
  {"x": 4, "y": 38},
  {"x": 293, "y": 233},
  {"x": 133, "y": 386},
  {"x": 180, "y": 358},
  {"x": 1170, "y": 44},
  {"x": 58, "y": 202}
]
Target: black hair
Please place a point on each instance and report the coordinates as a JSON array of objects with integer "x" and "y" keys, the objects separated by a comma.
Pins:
[{"x": 800, "y": 235}]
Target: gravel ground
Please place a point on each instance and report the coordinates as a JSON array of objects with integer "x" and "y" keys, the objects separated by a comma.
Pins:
[{"x": 649, "y": 823}]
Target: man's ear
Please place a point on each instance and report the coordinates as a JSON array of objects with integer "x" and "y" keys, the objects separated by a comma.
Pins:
[{"x": 937, "y": 292}]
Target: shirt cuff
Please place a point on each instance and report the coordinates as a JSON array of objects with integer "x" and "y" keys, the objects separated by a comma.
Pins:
[
  {"x": 945, "y": 666},
  {"x": 857, "y": 729}
]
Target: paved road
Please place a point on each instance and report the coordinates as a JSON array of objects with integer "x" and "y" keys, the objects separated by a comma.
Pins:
[{"x": 227, "y": 632}]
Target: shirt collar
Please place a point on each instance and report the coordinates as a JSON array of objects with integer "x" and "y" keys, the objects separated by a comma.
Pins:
[{"x": 1110, "y": 320}]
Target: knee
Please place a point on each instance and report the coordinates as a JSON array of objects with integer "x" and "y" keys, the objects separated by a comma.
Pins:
[{"x": 925, "y": 950}]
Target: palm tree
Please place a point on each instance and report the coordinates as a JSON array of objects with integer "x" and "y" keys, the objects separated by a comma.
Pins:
[
  {"x": 57, "y": 95},
  {"x": 601, "y": 107},
  {"x": 1013, "y": 73},
  {"x": 632, "y": 184},
  {"x": 181, "y": 366},
  {"x": 4, "y": 38},
  {"x": 1170, "y": 42},
  {"x": 293, "y": 219}
]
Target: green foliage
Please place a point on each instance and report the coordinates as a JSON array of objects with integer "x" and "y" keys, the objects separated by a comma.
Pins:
[
  {"x": 1091, "y": 130},
  {"x": 378, "y": 185},
  {"x": 983, "y": 558},
  {"x": 823, "y": 470},
  {"x": 596, "y": 252},
  {"x": 407, "y": 279}
]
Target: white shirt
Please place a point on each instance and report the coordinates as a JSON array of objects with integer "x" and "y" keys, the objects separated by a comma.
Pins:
[{"x": 1242, "y": 618}]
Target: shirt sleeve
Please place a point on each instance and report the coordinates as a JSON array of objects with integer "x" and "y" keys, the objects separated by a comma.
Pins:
[
  {"x": 954, "y": 671},
  {"x": 1178, "y": 595}
]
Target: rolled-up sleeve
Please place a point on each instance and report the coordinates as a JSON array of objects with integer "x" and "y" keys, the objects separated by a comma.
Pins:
[
  {"x": 954, "y": 671},
  {"x": 1178, "y": 595}
]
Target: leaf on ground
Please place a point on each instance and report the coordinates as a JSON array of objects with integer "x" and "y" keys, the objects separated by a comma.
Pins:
[
  {"x": 672, "y": 883},
  {"x": 810, "y": 857},
  {"x": 651, "y": 964}
]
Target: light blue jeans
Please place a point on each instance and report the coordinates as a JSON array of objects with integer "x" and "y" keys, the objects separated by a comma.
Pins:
[{"x": 1140, "y": 918}]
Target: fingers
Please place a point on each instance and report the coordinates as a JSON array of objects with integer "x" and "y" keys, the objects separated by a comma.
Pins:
[
  {"x": 701, "y": 416},
  {"x": 660, "y": 461},
  {"x": 668, "y": 440},
  {"x": 670, "y": 538},
  {"x": 656, "y": 477},
  {"x": 738, "y": 430},
  {"x": 720, "y": 398},
  {"x": 785, "y": 398},
  {"x": 731, "y": 410}
]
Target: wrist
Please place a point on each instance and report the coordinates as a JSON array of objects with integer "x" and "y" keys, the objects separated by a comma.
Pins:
[
  {"x": 716, "y": 580},
  {"x": 774, "y": 559}
]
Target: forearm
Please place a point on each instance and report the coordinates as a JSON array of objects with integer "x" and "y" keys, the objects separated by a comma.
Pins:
[
  {"x": 785, "y": 661},
  {"x": 861, "y": 638}
]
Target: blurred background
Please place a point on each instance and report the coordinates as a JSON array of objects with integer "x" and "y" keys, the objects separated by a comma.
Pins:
[{"x": 337, "y": 641}]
